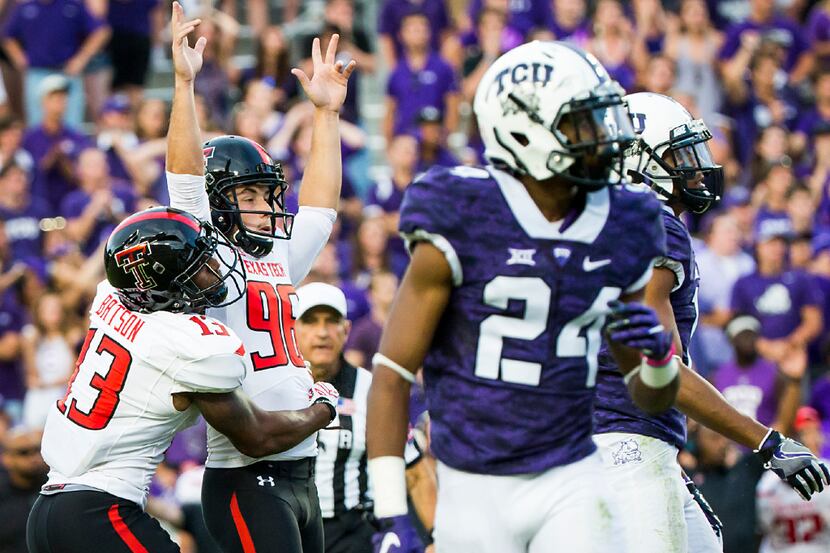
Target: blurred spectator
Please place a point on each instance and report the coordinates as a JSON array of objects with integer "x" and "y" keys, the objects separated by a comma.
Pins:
[
  {"x": 326, "y": 268},
  {"x": 525, "y": 17},
  {"x": 11, "y": 144},
  {"x": 22, "y": 215},
  {"x": 783, "y": 300},
  {"x": 12, "y": 318},
  {"x": 693, "y": 45},
  {"x": 386, "y": 194},
  {"x": 371, "y": 253},
  {"x": 650, "y": 24},
  {"x": 273, "y": 67},
  {"x": 364, "y": 337},
  {"x": 53, "y": 145},
  {"x": 491, "y": 38},
  {"x": 773, "y": 190},
  {"x": 613, "y": 42},
  {"x": 816, "y": 116},
  {"x": 801, "y": 211},
  {"x": 99, "y": 204},
  {"x": 771, "y": 148},
  {"x": 764, "y": 24},
  {"x": 787, "y": 522},
  {"x": 753, "y": 385},
  {"x": 22, "y": 475},
  {"x": 116, "y": 136},
  {"x": 432, "y": 141},
  {"x": 48, "y": 348},
  {"x": 421, "y": 78},
  {"x": 47, "y": 37},
  {"x": 569, "y": 21},
  {"x": 762, "y": 100},
  {"x": 728, "y": 484},
  {"x": 218, "y": 73},
  {"x": 133, "y": 23},
  {"x": 818, "y": 32},
  {"x": 354, "y": 40},
  {"x": 660, "y": 75},
  {"x": 391, "y": 22}
]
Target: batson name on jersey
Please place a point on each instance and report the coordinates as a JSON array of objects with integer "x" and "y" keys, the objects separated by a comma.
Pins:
[
  {"x": 264, "y": 319},
  {"x": 111, "y": 430},
  {"x": 614, "y": 410},
  {"x": 510, "y": 373}
]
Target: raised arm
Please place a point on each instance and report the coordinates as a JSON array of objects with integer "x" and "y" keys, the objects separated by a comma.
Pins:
[{"x": 327, "y": 91}]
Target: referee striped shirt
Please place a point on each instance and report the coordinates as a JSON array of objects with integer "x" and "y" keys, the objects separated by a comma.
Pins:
[{"x": 341, "y": 476}]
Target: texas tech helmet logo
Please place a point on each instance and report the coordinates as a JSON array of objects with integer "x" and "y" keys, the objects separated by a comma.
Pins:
[
  {"x": 134, "y": 260},
  {"x": 208, "y": 153}
]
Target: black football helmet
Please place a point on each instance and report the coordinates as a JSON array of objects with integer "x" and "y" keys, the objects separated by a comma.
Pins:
[
  {"x": 152, "y": 257},
  {"x": 232, "y": 161}
]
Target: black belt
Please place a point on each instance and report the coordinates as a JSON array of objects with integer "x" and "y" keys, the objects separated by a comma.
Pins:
[{"x": 299, "y": 468}]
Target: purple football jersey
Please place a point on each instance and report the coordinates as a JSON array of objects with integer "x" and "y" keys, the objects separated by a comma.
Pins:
[
  {"x": 509, "y": 375},
  {"x": 614, "y": 410}
]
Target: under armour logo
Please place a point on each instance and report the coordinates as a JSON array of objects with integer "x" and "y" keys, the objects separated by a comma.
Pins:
[
  {"x": 263, "y": 480},
  {"x": 134, "y": 260},
  {"x": 521, "y": 257}
]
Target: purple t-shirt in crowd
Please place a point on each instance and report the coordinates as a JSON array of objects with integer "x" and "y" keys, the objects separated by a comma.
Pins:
[
  {"x": 50, "y": 32},
  {"x": 818, "y": 26},
  {"x": 779, "y": 29},
  {"x": 22, "y": 229},
  {"x": 365, "y": 337},
  {"x": 776, "y": 301},
  {"x": 393, "y": 12},
  {"x": 51, "y": 185},
  {"x": 123, "y": 203},
  {"x": 385, "y": 197},
  {"x": 12, "y": 319},
  {"x": 751, "y": 390},
  {"x": 752, "y": 115},
  {"x": 414, "y": 90},
  {"x": 131, "y": 16},
  {"x": 523, "y": 16}
]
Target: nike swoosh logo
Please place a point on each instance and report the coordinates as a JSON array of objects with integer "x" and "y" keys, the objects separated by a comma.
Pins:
[
  {"x": 390, "y": 540},
  {"x": 588, "y": 265}
]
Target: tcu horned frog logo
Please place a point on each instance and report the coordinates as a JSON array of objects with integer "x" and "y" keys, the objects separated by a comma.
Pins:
[{"x": 134, "y": 260}]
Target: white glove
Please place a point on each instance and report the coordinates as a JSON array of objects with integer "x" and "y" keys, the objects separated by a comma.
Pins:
[{"x": 323, "y": 392}]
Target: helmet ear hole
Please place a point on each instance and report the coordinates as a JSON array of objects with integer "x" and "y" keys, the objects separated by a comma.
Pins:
[{"x": 520, "y": 138}]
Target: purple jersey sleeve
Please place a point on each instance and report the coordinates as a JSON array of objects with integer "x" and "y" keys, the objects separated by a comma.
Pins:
[
  {"x": 643, "y": 235},
  {"x": 678, "y": 251},
  {"x": 428, "y": 214}
]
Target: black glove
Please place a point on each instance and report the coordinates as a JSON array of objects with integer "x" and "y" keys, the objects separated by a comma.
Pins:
[{"x": 793, "y": 463}]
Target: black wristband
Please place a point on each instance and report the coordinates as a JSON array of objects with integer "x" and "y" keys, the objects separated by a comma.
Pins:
[{"x": 327, "y": 403}]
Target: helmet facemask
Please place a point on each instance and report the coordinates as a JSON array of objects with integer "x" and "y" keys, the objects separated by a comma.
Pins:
[
  {"x": 681, "y": 168},
  {"x": 594, "y": 131},
  {"x": 227, "y": 216}
]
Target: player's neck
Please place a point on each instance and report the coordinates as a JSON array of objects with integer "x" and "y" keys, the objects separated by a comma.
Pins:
[{"x": 554, "y": 197}]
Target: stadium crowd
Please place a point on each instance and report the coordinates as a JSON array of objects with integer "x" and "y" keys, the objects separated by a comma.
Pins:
[{"x": 82, "y": 146}]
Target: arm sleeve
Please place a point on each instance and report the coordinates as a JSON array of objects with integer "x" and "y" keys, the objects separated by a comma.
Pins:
[
  {"x": 678, "y": 250},
  {"x": 312, "y": 228},
  {"x": 187, "y": 192},
  {"x": 650, "y": 245},
  {"x": 213, "y": 374}
]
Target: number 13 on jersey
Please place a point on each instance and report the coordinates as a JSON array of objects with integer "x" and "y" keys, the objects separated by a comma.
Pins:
[{"x": 271, "y": 309}]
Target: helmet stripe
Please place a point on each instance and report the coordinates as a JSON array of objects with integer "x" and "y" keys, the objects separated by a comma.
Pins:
[
  {"x": 158, "y": 215},
  {"x": 262, "y": 153}
]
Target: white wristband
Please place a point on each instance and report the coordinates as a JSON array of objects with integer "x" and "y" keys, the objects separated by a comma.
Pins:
[
  {"x": 659, "y": 376},
  {"x": 388, "y": 477},
  {"x": 380, "y": 359}
]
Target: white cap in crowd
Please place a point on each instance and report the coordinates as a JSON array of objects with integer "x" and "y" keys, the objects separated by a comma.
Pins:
[{"x": 316, "y": 294}]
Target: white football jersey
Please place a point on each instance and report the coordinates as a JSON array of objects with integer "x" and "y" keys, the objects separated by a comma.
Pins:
[
  {"x": 264, "y": 319},
  {"x": 117, "y": 419},
  {"x": 790, "y": 524}
]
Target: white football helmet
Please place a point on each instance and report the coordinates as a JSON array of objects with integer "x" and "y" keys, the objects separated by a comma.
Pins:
[
  {"x": 671, "y": 155},
  {"x": 548, "y": 109}
]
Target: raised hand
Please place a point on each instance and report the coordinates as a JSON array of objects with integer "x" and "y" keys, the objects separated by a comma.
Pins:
[
  {"x": 327, "y": 86},
  {"x": 187, "y": 61}
]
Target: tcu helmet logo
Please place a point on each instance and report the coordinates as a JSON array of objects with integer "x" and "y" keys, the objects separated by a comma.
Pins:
[
  {"x": 638, "y": 121},
  {"x": 134, "y": 260},
  {"x": 208, "y": 153}
]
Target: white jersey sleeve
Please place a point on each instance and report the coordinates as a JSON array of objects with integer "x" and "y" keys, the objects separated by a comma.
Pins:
[
  {"x": 312, "y": 228},
  {"x": 187, "y": 192},
  {"x": 212, "y": 374}
]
